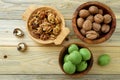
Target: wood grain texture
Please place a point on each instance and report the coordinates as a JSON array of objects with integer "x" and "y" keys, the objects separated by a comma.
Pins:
[
  {"x": 12, "y": 9},
  {"x": 8, "y": 39},
  {"x": 58, "y": 77},
  {"x": 43, "y": 59}
]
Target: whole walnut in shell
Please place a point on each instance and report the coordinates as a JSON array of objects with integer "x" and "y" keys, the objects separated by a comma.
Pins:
[
  {"x": 80, "y": 22},
  {"x": 91, "y": 18},
  {"x": 92, "y": 34},
  {"x": 84, "y": 13},
  {"x": 98, "y": 18},
  {"x": 100, "y": 11},
  {"x": 87, "y": 25},
  {"x": 107, "y": 18},
  {"x": 105, "y": 28},
  {"x": 93, "y": 9},
  {"x": 83, "y": 32},
  {"x": 96, "y": 26}
]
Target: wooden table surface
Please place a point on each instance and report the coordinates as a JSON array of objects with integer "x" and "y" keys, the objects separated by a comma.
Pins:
[{"x": 41, "y": 61}]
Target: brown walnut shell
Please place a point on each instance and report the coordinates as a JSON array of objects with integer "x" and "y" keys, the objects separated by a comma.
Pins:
[{"x": 106, "y": 10}]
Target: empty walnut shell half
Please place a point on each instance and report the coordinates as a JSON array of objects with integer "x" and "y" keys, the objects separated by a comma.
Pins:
[
  {"x": 18, "y": 32},
  {"x": 103, "y": 9},
  {"x": 52, "y": 17},
  {"x": 21, "y": 47}
]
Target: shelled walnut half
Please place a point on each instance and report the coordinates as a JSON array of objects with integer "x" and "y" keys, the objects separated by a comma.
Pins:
[{"x": 44, "y": 24}]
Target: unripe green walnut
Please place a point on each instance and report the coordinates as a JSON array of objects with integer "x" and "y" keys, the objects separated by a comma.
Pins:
[
  {"x": 73, "y": 47},
  {"x": 75, "y": 57},
  {"x": 69, "y": 68},
  {"x": 66, "y": 58},
  {"x": 82, "y": 66},
  {"x": 104, "y": 60},
  {"x": 86, "y": 55}
]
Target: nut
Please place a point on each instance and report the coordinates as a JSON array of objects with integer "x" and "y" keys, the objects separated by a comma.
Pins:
[
  {"x": 84, "y": 13},
  {"x": 33, "y": 23},
  {"x": 41, "y": 14},
  {"x": 21, "y": 47},
  {"x": 44, "y": 36},
  {"x": 80, "y": 22},
  {"x": 87, "y": 25},
  {"x": 98, "y": 18},
  {"x": 105, "y": 28},
  {"x": 52, "y": 37},
  {"x": 43, "y": 24},
  {"x": 96, "y": 26},
  {"x": 56, "y": 30},
  {"x": 83, "y": 32},
  {"x": 92, "y": 34},
  {"x": 91, "y": 18},
  {"x": 107, "y": 18},
  {"x": 35, "y": 34},
  {"x": 57, "y": 20},
  {"x": 93, "y": 9},
  {"x": 51, "y": 18},
  {"x": 18, "y": 32},
  {"x": 100, "y": 11},
  {"x": 39, "y": 30}
]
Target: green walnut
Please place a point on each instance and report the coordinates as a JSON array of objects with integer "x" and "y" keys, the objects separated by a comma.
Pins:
[
  {"x": 82, "y": 66},
  {"x": 69, "y": 68},
  {"x": 72, "y": 47},
  {"x": 66, "y": 58},
  {"x": 86, "y": 55},
  {"x": 75, "y": 57},
  {"x": 103, "y": 60}
]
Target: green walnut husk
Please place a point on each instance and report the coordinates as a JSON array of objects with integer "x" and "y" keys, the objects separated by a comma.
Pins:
[
  {"x": 69, "y": 67},
  {"x": 86, "y": 55},
  {"x": 72, "y": 47},
  {"x": 82, "y": 66},
  {"x": 66, "y": 58},
  {"x": 104, "y": 60},
  {"x": 75, "y": 57}
]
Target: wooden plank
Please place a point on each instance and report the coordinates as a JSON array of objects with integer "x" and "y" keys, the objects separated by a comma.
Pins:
[
  {"x": 44, "y": 60},
  {"x": 58, "y": 77},
  {"x": 12, "y": 9},
  {"x": 8, "y": 39}
]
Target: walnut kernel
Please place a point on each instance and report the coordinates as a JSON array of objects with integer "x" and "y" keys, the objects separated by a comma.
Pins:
[
  {"x": 51, "y": 18},
  {"x": 43, "y": 24},
  {"x": 57, "y": 20},
  {"x": 44, "y": 36},
  {"x": 56, "y": 30}
]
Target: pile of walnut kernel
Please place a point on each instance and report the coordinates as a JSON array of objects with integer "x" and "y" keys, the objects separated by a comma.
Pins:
[
  {"x": 93, "y": 22},
  {"x": 44, "y": 24}
]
